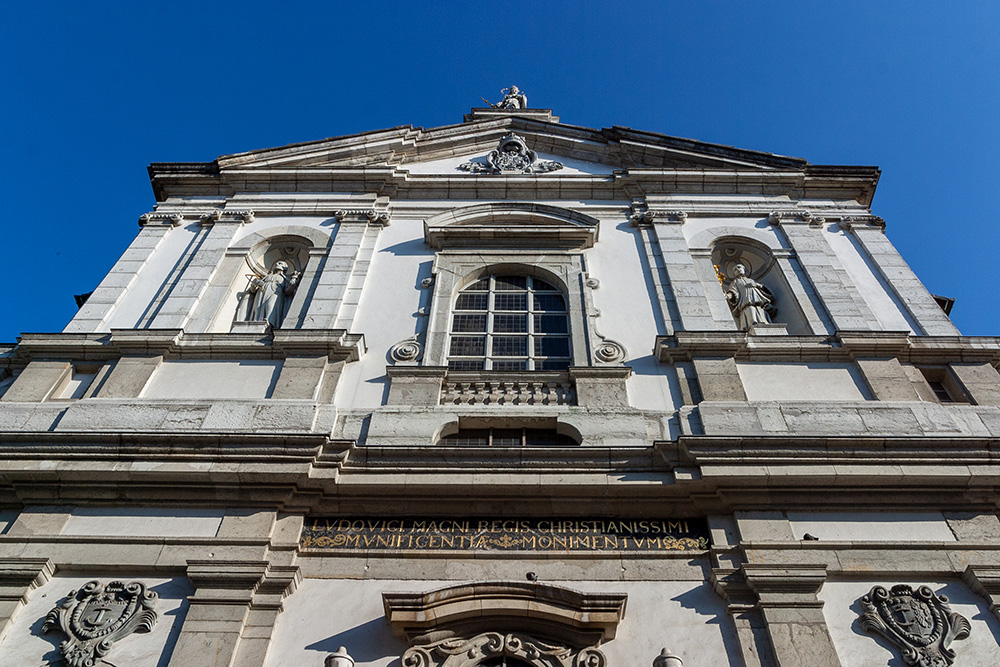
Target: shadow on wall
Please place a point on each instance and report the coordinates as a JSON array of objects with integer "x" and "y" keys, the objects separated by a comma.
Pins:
[
  {"x": 367, "y": 643},
  {"x": 647, "y": 274},
  {"x": 892, "y": 650},
  {"x": 707, "y": 604}
]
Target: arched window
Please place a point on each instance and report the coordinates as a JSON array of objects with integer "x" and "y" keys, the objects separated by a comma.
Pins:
[{"x": 510, "y": 323}]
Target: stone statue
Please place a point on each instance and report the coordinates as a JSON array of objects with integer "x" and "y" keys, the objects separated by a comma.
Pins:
[
  {"x": 272, "y": 294},
  {"x": 513, "y": 98},
  {"x": 752, "y": 303}
]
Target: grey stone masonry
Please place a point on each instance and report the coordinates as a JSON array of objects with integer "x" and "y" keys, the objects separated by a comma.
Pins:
[
  {"x": 719, "y": 379},
  {"x": 794, "y": 615},
  {"x": 888, "y": 380},
  {"x": 981, "y": 381},
  {"x": 217, "y": 612},
  {"x": 870, "y": 233},
  {"x": 185, "y": 292},
  {"x": 359, "y": 273},
  {"x": 831, "y": 281},
  {"x": 984, "y": 580},
  {"x": 18, "y": 577},
  {"x": 255, "y": 639},
  {"x": 128, "y": 377},
  {"x": 37, "y": 381},
  {"x": 685, "y": 281},
  {"x": 300, "y": 377},
  {"x": 123, "y": 274},
  {"x": 335, "y": 275}
]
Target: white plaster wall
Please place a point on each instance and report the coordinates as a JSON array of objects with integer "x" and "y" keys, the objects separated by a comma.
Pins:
[
  {"x": 143, "y": 521},
  {"x": 387, "y": 312},
  {"x": 450, "y": 165},
  {"x": 872, "y": 526},
  {"x": 808, "y": 381},
  {"x": 134, "y": 303},
  {"x": 324, "y": 614},
  {"x": 877, "y": 294},
  {"x": 629, "y": 314},
  {"x": 213, "y": 379},
  {"x": 25, "y": 645},
  {"x": 857, "y": 648}
]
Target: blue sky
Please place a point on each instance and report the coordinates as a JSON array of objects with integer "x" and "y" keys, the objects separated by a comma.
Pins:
[{"x": 93, "y": 92}]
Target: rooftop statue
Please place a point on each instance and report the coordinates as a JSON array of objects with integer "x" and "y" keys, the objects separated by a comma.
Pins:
[
  {"x": 752, "y": 303},
  {"x": 513, "y": 98}
]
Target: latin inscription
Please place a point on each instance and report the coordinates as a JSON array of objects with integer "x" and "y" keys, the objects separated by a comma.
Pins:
[{"x": 505, "y": 534}]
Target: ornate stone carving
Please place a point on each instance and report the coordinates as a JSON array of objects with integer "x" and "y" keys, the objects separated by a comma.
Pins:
[
  {"x": 919, "y": 622},
  {"x": 507, "y": 391},
  {"x": 646, "y": 218},
  {"x": 511, "y": 156},
  {"x": 97, "y": 616},
  {"x": 610, "y": 352},
  {"x": 369, "y": 215},
  {"x": 460, "y": 652},
  {"x": 405, "y": 351},
  {"x": 592, "y": 283}
]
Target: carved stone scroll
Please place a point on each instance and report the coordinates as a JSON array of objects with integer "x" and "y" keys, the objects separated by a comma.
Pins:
[{"x": 512, "y": 156}]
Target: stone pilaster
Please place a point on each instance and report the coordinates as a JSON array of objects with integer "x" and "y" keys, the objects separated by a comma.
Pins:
[
  {"x": 198, "y": 267},
  {"x": 802, "y": 290},
  {"x": 984, "y": 580},
  {"x": 887, "y": 379},
  {"x": 129, "y": 376},
  {"x": 280, "y": 582},
  {"x": 719, "y": 380},
  {"x": 341, "y": 276},
  {"x": 300, "y": 377},
  {"x": 18, "y": 577},
  {"x": 786, "y": 597},
  {"x": 751, "y": 631},
  {"x": 869, "y": 230},
  {"x": 826, "y": 273},
  {"x": 123, "y": 274},
  {"x": 217, "y": 611}
]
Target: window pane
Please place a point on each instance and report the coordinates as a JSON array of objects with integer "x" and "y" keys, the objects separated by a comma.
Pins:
[
  {"x": 542, "y": 285},
  {"x": 510, "y": 323},
  {"x": 552, "y": 365},
  {"x": 506, "y": 437},
  {"x": 510, "y": 365},
  {"x": 465, "y": 365},
  {"x": 551, "y": 324},
  {"x": 554, "y": 302},
  {"x": 508, "y": 283},
  {"x": 480, "y": 285},
  {"x": 552, "y": 346},
  {"x": 469, "y": 323},
  {"x": 508, "y": 346},
  {"x": 468, "y": 346},
  {"x": 511, "y": 301},
  {"x": 538, "y": 437},
  {"x": 479, "y": 437},
  {"x": 472, "y": 302}
]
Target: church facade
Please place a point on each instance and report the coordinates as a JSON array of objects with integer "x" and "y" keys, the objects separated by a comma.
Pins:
[{"x": 504, "y": 393}]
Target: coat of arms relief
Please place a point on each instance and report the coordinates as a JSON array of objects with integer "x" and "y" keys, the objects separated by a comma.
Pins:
[
  {"x": 96, "y": 616},
  {"x": 919, "y": 622}
]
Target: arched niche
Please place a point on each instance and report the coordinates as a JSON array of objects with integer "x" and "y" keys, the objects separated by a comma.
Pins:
[
  {"x": 254, "y": 256},
  {"x": 760, "y": 264},
  {"x": 480, "y": 623}
]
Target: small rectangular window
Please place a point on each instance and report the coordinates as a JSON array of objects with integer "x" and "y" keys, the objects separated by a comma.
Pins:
[
  {"x": 509, "y": 346},
  {"x": 510, "y": 301},
  {"x": 469, "y": 323},
  {"x": 550, "y": 302},
  {"x": 472, "y": 302},
  {"x": 942, "y": 384},
  {"x": 468, "y": 346},
  {"x": 503, "y": 323}
]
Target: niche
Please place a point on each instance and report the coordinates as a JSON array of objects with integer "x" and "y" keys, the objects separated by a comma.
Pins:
[
  {"x": 761, "y": 298},
  {"x": 266, "y": 288}
]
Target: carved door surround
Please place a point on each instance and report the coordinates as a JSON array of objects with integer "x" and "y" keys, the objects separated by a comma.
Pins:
[{"x": 523, "y": 622}]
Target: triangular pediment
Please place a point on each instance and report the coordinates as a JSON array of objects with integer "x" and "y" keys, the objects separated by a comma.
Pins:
[{"x": 441, "y": 150}]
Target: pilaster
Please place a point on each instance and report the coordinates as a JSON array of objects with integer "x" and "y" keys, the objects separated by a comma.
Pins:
[
  {"x": 129, "y": 376},
  {"x": 794, "y": 615},
  {"x": 829, "y": 278},
  {"x": 37, "y": 381},
  {"x": 984, "y": 580},
  {"x": 217, "y": 611},
  {"x": 280, "y": 582},
  {"x": 18, "y": 577},
  {"x": 184, "y": 293},
  {"x": 719, "y": 379},
  {"x": 869, "y": 230},
  {"x": 980, "y": 380}
]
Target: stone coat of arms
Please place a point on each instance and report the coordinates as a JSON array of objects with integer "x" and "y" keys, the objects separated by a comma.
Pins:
[
  {"x": 96, "y": 616},
  {"x": 512, "y": 156},
  {"x": 919, "y": 622}
]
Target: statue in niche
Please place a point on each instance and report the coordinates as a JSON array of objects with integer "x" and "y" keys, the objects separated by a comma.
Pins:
[
  {"x": 271, "y": 294},
  {"x": 513, "y": 98},
  {"x": 752, "y": 303}
]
